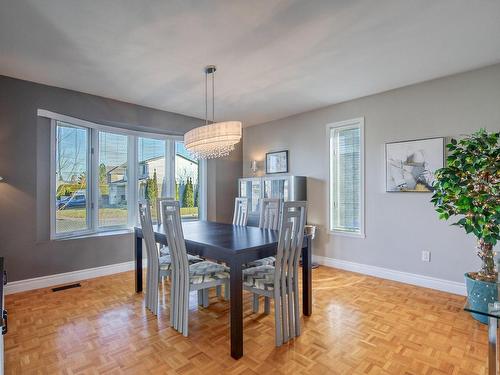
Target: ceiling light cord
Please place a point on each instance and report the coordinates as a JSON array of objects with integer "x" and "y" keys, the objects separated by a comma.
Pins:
[
  {"x": 206, "y": 97},
  {"x": 213, "y": 96}
]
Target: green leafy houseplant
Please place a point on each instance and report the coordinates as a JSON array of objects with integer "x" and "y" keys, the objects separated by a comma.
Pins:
[{"x": 468, "y": 188}]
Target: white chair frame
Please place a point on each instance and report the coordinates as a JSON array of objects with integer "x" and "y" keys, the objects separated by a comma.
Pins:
[
  {"x": 285, "y": 287},
  {"x": 269, "y": 216},
  {"x": 240, "y": 216},
  {"x": 154, "y": 273},
  {"x": 180, "y": 285}
]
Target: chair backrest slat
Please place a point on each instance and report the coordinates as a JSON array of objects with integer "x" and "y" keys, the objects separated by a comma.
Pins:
[
  {"x": 148, "y": 234},
  {"x": 269, "y": 213},
  {"x": 158, "y": 207},
  {"x": 240, "y": 216},
  {"x": 175, "y": 237}
]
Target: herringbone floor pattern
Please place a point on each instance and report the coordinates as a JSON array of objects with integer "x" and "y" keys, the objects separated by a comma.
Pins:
[{"x": 360, "y": 325}]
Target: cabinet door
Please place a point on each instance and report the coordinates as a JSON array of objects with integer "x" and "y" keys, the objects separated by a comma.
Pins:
[
  {"x": 255, "y": 196},
  {"x": 251, "y": 189},
  {"x": 276, "y": 188}
]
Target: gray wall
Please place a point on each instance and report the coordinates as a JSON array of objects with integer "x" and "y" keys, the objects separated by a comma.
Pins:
[
  {"x": 224, "y": 186},
  {"x": 24, "y": 163},
  {"x": 398, "y": 225}
]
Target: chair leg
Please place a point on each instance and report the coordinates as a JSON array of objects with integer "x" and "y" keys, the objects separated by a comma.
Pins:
[
  {"x": 180, "y": 304},
  {"x": 200, "y": 297},
  {"x": 176, "y": 293},
  {"x": 277, "y": 318},
  {"x": 172, "y": 302},
  {"x": 284, "y": 311},
  {"x": 255, "y": 303},
  {"x": 205, "y": 298},
  {"x": 156, "y": 280},
  {"x": 185, "y": 302},
  {"x": 290, "y": 300},
  {"x": 186, "y": 313},
  {"x": 148, "y": 289},
  {"x": 296, "y": 306},
  {"x": 226, "y": 290},
  {"x": 267, "y": 305},
  {"x": 218, "y": 290}
]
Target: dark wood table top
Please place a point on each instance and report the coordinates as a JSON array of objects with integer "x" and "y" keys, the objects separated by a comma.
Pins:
[{"x": 224, "y": 238}]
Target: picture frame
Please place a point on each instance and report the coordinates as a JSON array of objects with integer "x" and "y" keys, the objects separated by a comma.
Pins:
[
  {"x": 410, "y": 165},
  {"x": 277, "y": 162}
]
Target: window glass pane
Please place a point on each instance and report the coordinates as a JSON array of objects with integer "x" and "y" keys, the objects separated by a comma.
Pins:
[
  {"x": 113, "y": 182},
  {"x": 186, "y": 182},
  {"x": 346, "y": 179},
  {"x": 71, "y": 164},
  {"x": 151, "y": 175}
]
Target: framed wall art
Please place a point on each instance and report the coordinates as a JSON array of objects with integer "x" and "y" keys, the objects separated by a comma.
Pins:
[
  {"x": 410, "y": 165},
  {"x": 277, "y": 162}
]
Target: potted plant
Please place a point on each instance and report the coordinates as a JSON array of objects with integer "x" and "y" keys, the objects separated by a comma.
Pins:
[{"x": 468, "y": 189}]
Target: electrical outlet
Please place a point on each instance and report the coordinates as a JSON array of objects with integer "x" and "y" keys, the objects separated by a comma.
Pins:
[{"x": 426, "y": 256}]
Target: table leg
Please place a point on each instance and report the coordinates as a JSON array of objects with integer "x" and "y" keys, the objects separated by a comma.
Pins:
[
  {"x": 307, "y": 278},
  {"x": 492, "y": 345},
  {"x": 138, "y": 263},
  {"x": 236, "y": 300}
]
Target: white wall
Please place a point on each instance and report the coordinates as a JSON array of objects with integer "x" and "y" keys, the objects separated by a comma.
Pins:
[{"x": 398, "y": 225}]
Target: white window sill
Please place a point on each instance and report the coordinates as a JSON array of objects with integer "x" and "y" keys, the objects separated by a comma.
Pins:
[
  {"x": 346, "y": 234},
  {"x": 114, "y": 232}
]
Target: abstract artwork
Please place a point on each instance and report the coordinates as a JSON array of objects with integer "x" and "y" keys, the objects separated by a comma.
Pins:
[{"x": 410, "y": 165}]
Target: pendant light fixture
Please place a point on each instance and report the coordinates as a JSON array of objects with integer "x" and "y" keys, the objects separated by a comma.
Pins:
[{"x": 214, "y": 139}]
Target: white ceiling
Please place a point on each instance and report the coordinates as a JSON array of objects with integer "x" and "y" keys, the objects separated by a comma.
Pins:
[{"x": 275, "y": 58}]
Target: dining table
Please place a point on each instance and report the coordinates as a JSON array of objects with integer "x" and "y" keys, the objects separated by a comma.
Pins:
[{"x": 236, "y": 246}]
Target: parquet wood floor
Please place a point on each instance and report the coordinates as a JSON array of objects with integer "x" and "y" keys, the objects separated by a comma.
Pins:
[{"x": 360, "y": 325}]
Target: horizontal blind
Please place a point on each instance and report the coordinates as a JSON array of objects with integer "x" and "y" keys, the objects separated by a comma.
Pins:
[{"x": 346, "y": 179}]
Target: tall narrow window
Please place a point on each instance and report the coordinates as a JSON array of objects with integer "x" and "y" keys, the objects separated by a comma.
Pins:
[
  {"x": 151, "y": 173},
  {"x": 113, "y": 180},
  {"x": 346, "y": 177},
  {"x": 71, "y": 172},
  {"x": 187, "y": 187}
]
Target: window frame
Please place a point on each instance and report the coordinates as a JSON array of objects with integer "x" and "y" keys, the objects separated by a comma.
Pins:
[
  {"x": 332, "y": 162},
  {"x": 93, "y": 130}
]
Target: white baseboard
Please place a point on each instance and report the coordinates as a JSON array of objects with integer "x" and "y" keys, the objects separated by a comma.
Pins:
[
  {"x": 67, "y": 277},
  {"x": 385, "y": 273}
]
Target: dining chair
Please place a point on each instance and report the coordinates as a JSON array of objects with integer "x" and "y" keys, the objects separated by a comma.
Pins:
[
  {"x": 280, "y": 282},
  {"x": 269, "y": 215},
  {"x": 158, "y": 266},
  {"x": 240, "y": 215},
  {"x": 187, "y": 277}
]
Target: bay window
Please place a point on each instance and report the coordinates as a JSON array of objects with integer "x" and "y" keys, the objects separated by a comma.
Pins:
[{"x": 100, "y": 173}]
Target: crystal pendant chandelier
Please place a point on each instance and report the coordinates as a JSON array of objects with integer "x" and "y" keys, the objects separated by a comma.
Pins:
[{"x": 215, "y": 139}]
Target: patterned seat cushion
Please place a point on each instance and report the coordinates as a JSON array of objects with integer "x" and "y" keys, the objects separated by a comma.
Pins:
[
  {"x": 166, "y": 261},
  {"x": 164, "y": 250},
  {"x": 261, "y": 277},
  {"x": 206, "y": 271},
  {"x": 269, "y": 261}
]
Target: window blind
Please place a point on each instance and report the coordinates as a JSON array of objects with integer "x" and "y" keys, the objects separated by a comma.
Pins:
[{"x": 346, "y": 186}]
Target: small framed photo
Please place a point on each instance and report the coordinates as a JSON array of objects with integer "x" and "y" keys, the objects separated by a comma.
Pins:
[
  {"x": 277, "y": 162},
  {"x": 410, "y": 165}
]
